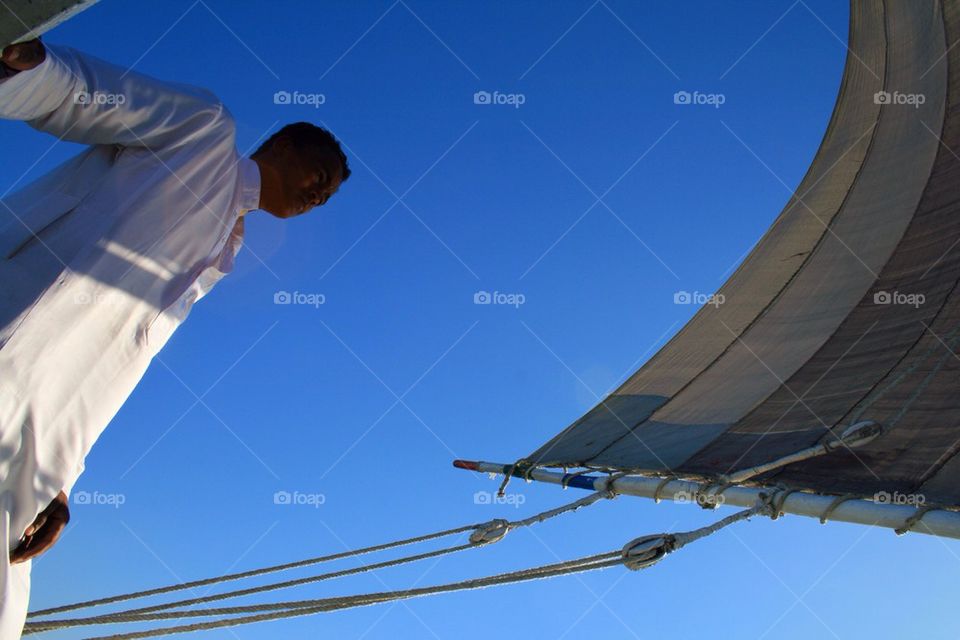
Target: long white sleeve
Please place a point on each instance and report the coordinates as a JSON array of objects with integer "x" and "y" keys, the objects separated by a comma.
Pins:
[
  {"x": 81, "y": 98},
  {"x": 72, "y": 480}
]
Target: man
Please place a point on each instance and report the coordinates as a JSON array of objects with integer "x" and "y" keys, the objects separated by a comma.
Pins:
[{"x": 104, "y": 256}]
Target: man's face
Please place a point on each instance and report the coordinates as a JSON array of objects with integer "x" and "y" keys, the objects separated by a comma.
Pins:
[{"x": 308, "y": 179}]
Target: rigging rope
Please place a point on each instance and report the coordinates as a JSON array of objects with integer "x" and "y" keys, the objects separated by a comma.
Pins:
[
  {"x": 251, "y": 573},
  {"x": 639, "y": 553},
  {"x": 855, "y": 435},
  {"x": 484, "y": 533}
]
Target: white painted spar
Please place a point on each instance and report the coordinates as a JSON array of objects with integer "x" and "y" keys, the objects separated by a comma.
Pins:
[{"x": 938, "y": 522}]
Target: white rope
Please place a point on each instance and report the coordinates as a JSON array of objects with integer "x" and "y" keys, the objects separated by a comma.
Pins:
[
  {"x": 302, "y": 608},
  {"x": 637, "y": 554},
  {"x": 853, "y": 436},
  {"x": 44, "y": 625},
  {"x": 249, "y": 574},
  {"x": 485, "y": 533}
]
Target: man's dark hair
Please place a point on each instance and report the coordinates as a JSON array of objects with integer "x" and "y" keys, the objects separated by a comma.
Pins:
[{"x": 306, "y": 135}]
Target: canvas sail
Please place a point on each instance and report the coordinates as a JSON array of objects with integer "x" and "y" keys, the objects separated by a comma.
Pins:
[
  {"x": 846, "y": 310},
  {"x": 21, "y": 19}
]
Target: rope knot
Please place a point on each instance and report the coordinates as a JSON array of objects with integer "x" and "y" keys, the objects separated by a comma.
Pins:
[
  {"x": 646, "y": 551},
  {"x": 913, "y": 520},
  {"x": 523, "y": 466},
  {"x": 490, "y": 532},
  {"x": 711, "y": 496},
  {"x": 776, "y": 499},
  {"x": 609, "y": 490}
]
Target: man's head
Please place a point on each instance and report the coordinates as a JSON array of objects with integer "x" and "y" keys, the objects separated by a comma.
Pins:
[{"x": 301, "y": 166}]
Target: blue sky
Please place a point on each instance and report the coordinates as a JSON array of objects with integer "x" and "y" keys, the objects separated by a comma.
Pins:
[{"x": 366, "y": 399}]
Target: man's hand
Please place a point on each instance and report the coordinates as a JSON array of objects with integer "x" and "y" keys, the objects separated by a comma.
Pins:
[
  {"x": 44, "y": 531},
  {"x": 24, "y": 56}
]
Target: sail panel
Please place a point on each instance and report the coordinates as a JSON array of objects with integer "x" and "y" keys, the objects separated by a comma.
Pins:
[{"x": 838, "y": 336}]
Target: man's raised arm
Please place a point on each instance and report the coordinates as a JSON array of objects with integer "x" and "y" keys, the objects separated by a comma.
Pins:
[{"x": 80, "y": 98}]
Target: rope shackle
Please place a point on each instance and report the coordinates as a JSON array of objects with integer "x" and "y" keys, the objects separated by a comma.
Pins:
[
  {"x": 490, "y": 532},
  {"x": 855, "y": 435},
  {"x": 646, "y": 551}
]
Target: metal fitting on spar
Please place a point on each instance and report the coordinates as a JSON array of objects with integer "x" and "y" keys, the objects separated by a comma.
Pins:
[
  {"x": 856, "y": 435},
  {"x": 647, "y": 551},
  {"x": 490, "y": 532}
]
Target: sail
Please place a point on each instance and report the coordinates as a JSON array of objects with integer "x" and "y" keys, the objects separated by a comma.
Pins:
[
  {"x": 21, "y": 19},
  {"x": 846, "y": 310}
]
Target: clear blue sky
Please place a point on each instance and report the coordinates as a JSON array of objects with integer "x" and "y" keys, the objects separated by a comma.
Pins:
[{"x": 250, "y": 398}]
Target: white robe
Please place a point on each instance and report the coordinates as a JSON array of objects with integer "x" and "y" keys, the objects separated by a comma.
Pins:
[{"x": 101, "y": 260}]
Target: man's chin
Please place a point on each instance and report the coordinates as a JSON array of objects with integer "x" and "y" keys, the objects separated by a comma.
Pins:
[
  {"x": 295, "y": 210},
  {"x": 284, "y": 213}
]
